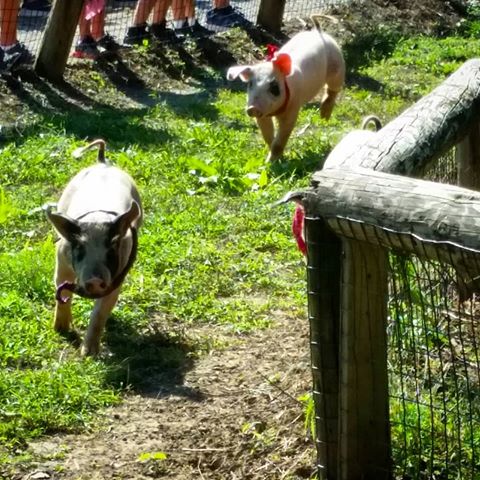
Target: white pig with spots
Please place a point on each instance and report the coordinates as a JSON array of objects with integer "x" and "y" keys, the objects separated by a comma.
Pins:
[{"x": 97, "y": 219}]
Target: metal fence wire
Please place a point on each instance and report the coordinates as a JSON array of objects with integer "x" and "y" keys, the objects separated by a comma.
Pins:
[
  {"x": 120, "y": 15},
  {"x": 432, "y": 340}
]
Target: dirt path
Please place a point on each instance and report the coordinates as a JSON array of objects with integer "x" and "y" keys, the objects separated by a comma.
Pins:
[{"x": 235, "y": 416}]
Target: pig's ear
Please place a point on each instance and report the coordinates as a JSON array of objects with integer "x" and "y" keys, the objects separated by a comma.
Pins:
[
  {"x": 67, "y": 227},
  {"x": 243, "y": 71},
  {"x": 283, "y": 62},
  {"x": 123, "y": 222}
]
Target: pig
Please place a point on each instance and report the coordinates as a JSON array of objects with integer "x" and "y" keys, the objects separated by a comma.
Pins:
[
  {"x": 309, "y": 62},
  {"x": 97, "y": 219},
  {"x": 351, "y": 142}
]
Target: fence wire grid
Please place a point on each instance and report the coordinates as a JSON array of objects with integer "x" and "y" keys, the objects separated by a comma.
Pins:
[{"x": 120, "y": 14}]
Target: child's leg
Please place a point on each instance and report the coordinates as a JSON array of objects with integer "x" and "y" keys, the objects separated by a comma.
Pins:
[
  {"x": 160, "y": 11},
  {"x": 97, "y": 25},
  {"x": 142, "y": 11},
  {"x": 178, "y": 12},
  {"x": 8, "y": 22}
]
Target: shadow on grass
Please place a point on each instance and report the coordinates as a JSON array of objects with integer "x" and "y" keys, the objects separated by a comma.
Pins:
[
  {"x": 67, "y": 108},
  {"x": 152, "y": 363}
]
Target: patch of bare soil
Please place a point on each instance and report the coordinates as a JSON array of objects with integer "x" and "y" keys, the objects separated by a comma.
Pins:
[{"x": 235, "y": 416}]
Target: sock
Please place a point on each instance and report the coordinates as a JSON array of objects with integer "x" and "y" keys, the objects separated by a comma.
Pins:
[
  {"x": 191, "y": 21},
  {"x": 178, "y": 24}
]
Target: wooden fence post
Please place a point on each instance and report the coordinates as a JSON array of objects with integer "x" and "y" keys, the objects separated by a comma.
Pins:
[
  {"x": 57, "y": 38},
  {"x": 323, "y": 279},
  {"x": 270, "y": 14},
  {"x": 467, "y": 155},
  {"x": 364, "y": 430}
]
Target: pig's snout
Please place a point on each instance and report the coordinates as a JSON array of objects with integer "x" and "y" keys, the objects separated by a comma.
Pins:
[
  {"x": 253, "y": 112},
  {"x": 95, "y": 286}
]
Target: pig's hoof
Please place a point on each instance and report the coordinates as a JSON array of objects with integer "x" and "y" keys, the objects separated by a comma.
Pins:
[{"x": 90, "y": 349}]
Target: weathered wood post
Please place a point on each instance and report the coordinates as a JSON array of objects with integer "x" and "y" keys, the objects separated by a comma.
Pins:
[
  {"x": 467, "y": 156},
  {"x": 57, "y": 38},
  {"x": 323, "y": 278},
  {"x": 405, "y": 146},
  {"x": 270, "y": 14}
]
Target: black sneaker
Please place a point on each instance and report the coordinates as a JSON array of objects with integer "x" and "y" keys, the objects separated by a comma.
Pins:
[
  {"x": 86, "y": 48},
  {"x": 16, "y": 55},
  {"x": 183, "y": 31},
  {"x": 197, "y": 30},
  {"x": 161, "y": 33},
  {"x": 136, "y": 35},
  {"x": 226, "y": 17},
  {"x": 108, "y": 43},
  {"x": 35, "y": 8}
]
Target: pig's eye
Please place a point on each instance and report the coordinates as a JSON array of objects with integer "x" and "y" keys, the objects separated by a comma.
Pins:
[
  {"x": 274, "y": 88},
  {"x": 78, "y": 252}
]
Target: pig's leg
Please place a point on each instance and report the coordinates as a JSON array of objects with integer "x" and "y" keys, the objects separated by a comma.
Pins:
[
  {"x": 328, "y": 102},
  {"x": 63, "y": 311},
  {"x": 286, "y": 122},
  {"x": 101, "y": 311},
  {"x": 266, "y": 127}
]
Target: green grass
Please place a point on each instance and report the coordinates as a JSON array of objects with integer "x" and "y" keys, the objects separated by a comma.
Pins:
[{"x": 213, "y": 251}]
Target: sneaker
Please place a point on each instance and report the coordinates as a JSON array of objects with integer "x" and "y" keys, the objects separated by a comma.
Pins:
[
  {"x": 226, "y": 17},
  {"x": 16, "y": 55},
  {"x": 161, "y": 33},
  {"x": 182, "y": 32},
  {"x": 136, "y": 35},
  {"x": 108, "y": 43},
  {"x": 86, "y": 48},
  {"x": 197, "y": 30},
  {"x": 35, "y": 8}
]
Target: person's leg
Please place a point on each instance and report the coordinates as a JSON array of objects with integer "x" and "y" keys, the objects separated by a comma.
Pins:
[
  {"x": 142, "y": 12},
  {"x": 221, "y": 3},
  {"x": 84, "y": 26},
  {"x": 138, "y": 31},
  {"x": 12, "y": 52},
  {"x": 158, "y": 28},
  {"x": 189, "y": 9},
  {"x": 178, "y": 13},
  {"x": 195, "y": 28},
  {"x": 160, "y": 11},
  {"x": 86, "y": 46},
  {"x": 97, "y": 25},
  {"x": 224, "y": 15},
  {"x": 8, "y": 25}
]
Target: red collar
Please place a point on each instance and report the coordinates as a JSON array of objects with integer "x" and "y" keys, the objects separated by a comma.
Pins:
[{"x": 283, "y": 106}]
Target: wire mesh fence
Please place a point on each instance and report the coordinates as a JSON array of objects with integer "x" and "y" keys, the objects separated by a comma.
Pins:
[
  {"x": 120, "y": 14},
  {"x": 433, "y": 371}
]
